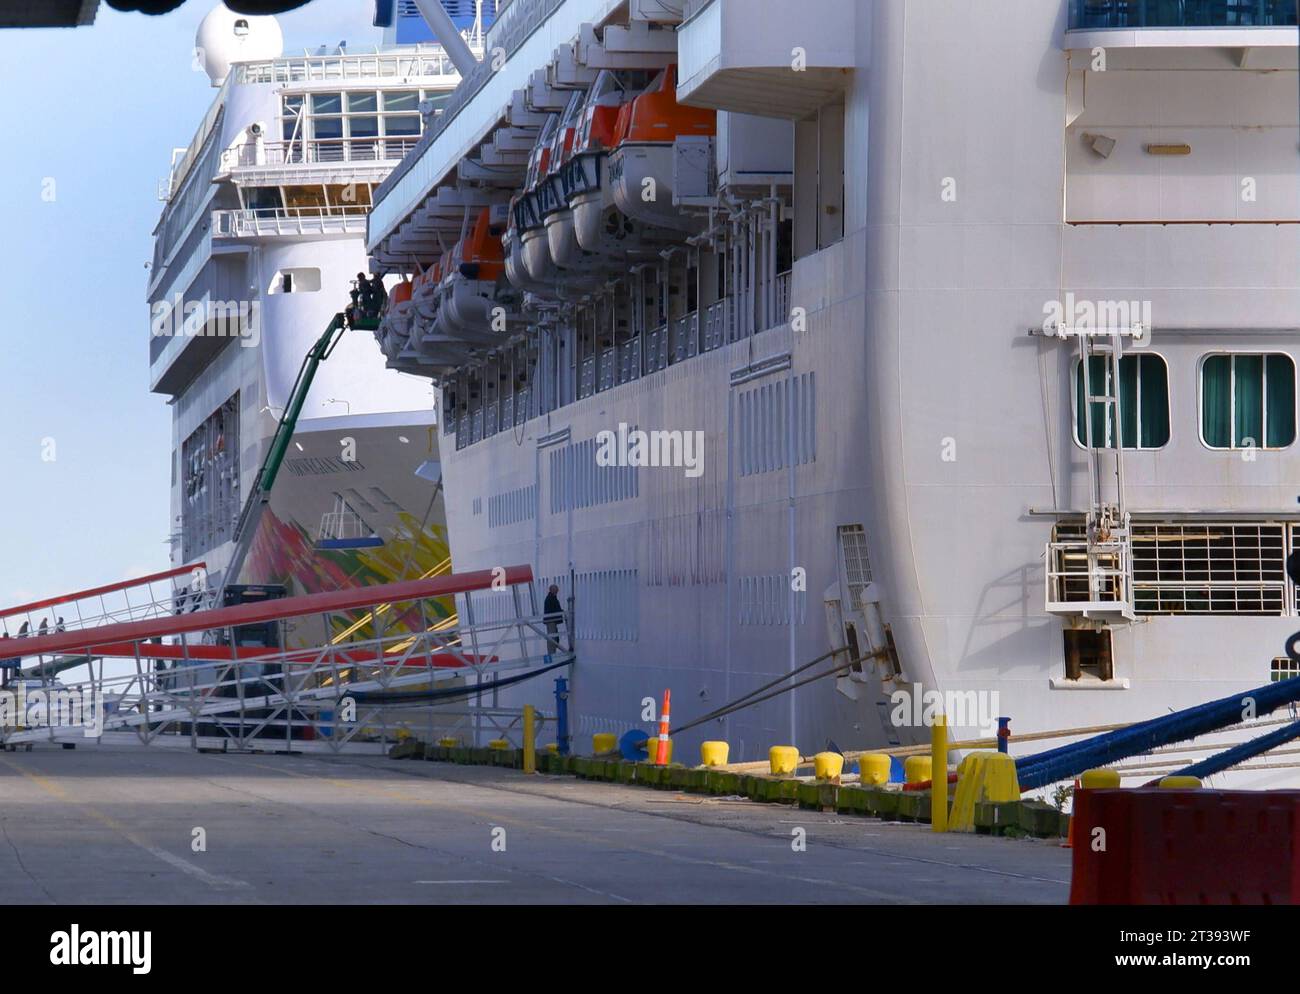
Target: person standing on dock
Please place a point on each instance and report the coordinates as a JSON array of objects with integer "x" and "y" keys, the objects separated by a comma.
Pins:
[{"x": 553, "y": 614}]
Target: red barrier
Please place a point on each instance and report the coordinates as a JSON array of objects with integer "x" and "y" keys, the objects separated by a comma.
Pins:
[{"x": 1153, "y": 846}]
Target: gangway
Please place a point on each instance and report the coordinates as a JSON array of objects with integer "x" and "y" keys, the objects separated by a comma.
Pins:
[
  {"x": 184, "y": 680},
  {"x": 157, "y": 595}
]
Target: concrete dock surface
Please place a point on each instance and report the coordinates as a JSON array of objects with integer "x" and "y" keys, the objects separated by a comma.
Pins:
[{"x": 106, "y": 825}]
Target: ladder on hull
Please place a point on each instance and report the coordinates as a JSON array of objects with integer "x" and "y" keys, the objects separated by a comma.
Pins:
[{"x": 1092, "y": 577}]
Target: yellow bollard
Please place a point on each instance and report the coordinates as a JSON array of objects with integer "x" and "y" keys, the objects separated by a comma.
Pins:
[
  {"x": 828, "y": 766},
  {"x": 499, "y": 744},
  {"x": 603, "y": 742},
  {"x": 449, "y": 742},
  {"x": 1099, "y": 779},
  {"x": 916, "y": 769},
  {"x": 714, "y": 753},
  {"x": 939, "y": 774},
  {"x": 1180, "y": 783},
  {"x": 783, "y": 760},
  {"x": 873, "y": 768},
  {"x": 530, "y": 739}
]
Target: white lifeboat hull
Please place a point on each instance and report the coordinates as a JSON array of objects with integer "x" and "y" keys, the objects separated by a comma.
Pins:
[{"x": 641, "y": 181}]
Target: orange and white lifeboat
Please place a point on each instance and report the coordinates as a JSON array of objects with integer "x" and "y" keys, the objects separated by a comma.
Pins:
[
  {"x": 470, "y": 309},
  {"x": 526, "y": 207},
  {"x": 586, "y": 175},
  {"x": 553, "y": 200},
  {"x": 424, "y": 293},
  {"x": 394, "y": 331},
  {"x": 641, "y": 167}
]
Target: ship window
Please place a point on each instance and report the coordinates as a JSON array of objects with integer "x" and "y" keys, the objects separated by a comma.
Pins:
[
  {"x": 401, "y": 124},
  {"x": 1143, "y": 402},
  {"x": 301, "y": 280},
  {"x": 262, "y": 198},
  {"x": 401, "y": 99},
  {"x": 1088, "y": 654},
  {"x": 326, "y": 103},
  {"x": 363, "y": 127},
  {"x": 363, "y": 102},
  {"x": 305, "y": 198},
  {"x": 1248, "y": 401},
  {"x": 1283, "y": 668}
]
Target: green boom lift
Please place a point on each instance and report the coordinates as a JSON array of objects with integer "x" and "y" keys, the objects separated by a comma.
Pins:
[{"x": 251, "y": 516}]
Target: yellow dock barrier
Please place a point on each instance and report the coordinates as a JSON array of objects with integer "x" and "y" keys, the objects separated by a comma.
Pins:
[
  {"x": 1180, "y": 783},
  {"x": 828, "y": 766},
  {"x": 530, "y": 739},
  {"x": 916, "y": 769},
  {"x": 603, "y": 742},
  {"x": 939, "y": 774},
  {"x": 783, "y": 760},
  {"x": 986, "y": 777},
  {"x": 714, "y": 753},
  {"x": 873, "y": 768}
]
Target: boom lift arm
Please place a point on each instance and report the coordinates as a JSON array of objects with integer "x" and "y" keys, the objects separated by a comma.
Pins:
[{"x": 258, "y": 498}]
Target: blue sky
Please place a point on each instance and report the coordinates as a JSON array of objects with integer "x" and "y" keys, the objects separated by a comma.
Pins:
[{"x": 96, "y": 111}]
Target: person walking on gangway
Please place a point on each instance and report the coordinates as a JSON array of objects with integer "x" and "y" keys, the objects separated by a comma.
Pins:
[{"x": 553, "y": 614}]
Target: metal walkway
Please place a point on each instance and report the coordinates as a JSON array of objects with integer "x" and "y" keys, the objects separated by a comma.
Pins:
[{"x": 299, "y": 673}]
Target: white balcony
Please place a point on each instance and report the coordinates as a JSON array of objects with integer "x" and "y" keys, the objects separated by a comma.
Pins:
[
  {"x": 768, "y": 57},
  {"x": 295, "y": 222}
]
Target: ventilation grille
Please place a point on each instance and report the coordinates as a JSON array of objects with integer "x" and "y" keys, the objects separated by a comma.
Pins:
[
  {"x": 854, "y": 558},
  {"x": 1208, "y": 567}
]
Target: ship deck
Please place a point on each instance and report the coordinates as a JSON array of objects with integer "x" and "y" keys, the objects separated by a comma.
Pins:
[{"x": 309, "y": 829}]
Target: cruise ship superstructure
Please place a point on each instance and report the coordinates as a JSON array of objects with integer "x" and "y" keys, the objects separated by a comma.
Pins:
[
  {"x": 259, "y": 243},
  {"x": 985, "y": 316}
]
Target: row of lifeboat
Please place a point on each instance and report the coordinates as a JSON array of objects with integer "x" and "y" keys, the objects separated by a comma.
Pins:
[{"x": 597, "y": 199}]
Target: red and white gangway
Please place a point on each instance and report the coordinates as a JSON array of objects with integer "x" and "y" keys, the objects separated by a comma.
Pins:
[
  {"x": 157, "y": 595},
  {"x": 231, "y": 678}
]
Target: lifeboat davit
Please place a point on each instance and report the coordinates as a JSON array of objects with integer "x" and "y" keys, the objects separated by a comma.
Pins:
[{"x": 641, "y": 167}]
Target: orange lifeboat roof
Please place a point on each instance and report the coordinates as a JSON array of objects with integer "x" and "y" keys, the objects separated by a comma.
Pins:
[
  {"x": 482, "y": 255},
  {"x": 656, "y": 116},
  {"x": 400, "y": 293}
]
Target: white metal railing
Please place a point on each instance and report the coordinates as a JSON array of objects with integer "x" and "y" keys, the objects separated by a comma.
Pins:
[
  {"x": 316, "y": 151},
  {"x": 1085, "y": 578},
  {"x": 432, "y": 63},
  {"x": 289, "y": 221}
]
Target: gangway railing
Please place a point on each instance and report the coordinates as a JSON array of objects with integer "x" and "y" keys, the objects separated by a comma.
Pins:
[
  {"x": 192, "y": 679},
  {"x": 151, "y": 596}
]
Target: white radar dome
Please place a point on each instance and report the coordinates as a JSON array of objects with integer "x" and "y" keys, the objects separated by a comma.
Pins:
[{"x": 225, "y": 37}]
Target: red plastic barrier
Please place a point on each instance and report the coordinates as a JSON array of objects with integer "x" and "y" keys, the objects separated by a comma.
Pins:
[{"x": 1186, "y": 847}]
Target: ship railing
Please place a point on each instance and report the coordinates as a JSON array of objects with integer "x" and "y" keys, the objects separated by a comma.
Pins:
[
  {"x": 377, "y": 664},
  {"x": 288, "y": 221},
  {"x": 424, "y": 65},
  {"x": 1089, "y": 578},
  {"x": 318, "y": 151},
  {"x": 171, "y": 591}
]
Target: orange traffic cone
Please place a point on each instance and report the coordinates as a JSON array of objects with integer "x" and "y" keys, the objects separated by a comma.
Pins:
[{"x": 1069, "y": 831}]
